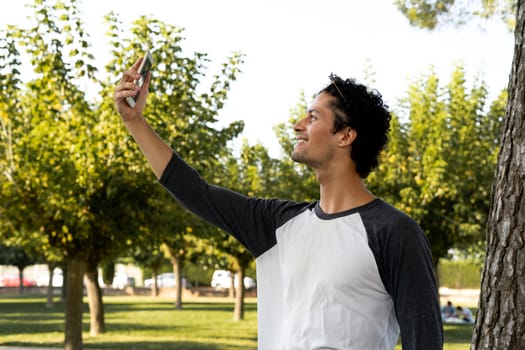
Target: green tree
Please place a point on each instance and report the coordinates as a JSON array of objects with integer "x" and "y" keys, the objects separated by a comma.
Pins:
[
  {"x": 180, "y": 236},
  {"x": 147, "y": 253},
  {"x": 16, "y": 256},
  {"x": 499, "y": 320},
  {"x": 68, "y": 168},
  {"x": 430, "y": 14},
  {"x": 48, "y": 170},
  {"x": 246, "y": 174},
  {"x": 182, "y": 114},
  {"x": 438, "y": 164}
]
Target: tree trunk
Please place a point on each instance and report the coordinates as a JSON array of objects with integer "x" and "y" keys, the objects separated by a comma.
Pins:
[
  {"x": 501, "y": 318},
  {"x": 49, "y": 302},
  {"x": 96, "y": 306},
  {"x": 155, "y": 284},
  {"x": 74, "y": 292},
  {"x": 238, "y": 311},
  {"x": 21, "y": 280},
  {"x": 231, "y": 290},
  {"x": 177, "y": 272},
  {"x": 64, "y": 283}
]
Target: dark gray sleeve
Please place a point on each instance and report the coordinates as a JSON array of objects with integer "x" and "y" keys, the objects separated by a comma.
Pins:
[
  {"x": 251, "y": 220},
  {"x": 403, "y": 257}
]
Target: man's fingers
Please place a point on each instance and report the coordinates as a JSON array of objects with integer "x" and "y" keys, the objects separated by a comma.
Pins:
[
  {"x": 136, "y": 66},
  {"x": 122, "y": 94},
  {"x": 125, "y": 89},
  {"x": 132, "y": 73}
]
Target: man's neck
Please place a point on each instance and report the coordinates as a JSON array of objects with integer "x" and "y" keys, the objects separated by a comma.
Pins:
[{"x": 341, "y": 191}]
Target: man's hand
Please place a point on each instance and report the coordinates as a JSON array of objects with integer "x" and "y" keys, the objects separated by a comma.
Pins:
[{"x": 126, "y": 88}]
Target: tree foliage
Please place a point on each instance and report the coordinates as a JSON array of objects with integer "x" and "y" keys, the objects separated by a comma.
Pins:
[
  {"x": 184, "y": 114},
  {"x": 429, "y": 14},
  {"x": 68, "y": 167},
  {"x": 439, "y": 163},
  {"x": 500, "y": 317}
]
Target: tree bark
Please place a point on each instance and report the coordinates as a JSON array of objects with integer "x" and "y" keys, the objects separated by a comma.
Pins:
[
  {"x": 49, "y": 302},
  {"x": 231, "y": 290},
  {"x": 21, "y": 280},
  {"x": 501, "y": 318},
  {"x": 238, "y": 311},
  {"x": 74, "y": 292},
  {"x": 64, "y": 283},
  {"x": 96, "y": 306},
  {"x": 155, "y": 284},
  {"x": 177, "y": 272}
]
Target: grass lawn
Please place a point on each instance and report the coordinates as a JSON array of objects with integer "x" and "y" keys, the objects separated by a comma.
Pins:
[{"x": 152, "y": 323}]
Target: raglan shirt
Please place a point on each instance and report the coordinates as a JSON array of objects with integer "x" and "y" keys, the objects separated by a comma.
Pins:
[{"x": 351, "y": 280}]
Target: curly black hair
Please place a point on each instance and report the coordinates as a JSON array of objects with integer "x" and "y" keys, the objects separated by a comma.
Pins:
[{"x": 364, "y": 111}]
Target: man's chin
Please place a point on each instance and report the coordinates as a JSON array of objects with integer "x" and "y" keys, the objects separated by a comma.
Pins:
[{"x": 297, "y": 157}]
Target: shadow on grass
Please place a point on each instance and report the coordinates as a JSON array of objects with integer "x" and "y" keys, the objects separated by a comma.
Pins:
[
  {"x": 19, "y": 318},
  {"x": 187, "y": 306},
  {"x": 161, "y": 346},
  {"x": 134, "y": 345},
  {"x": 458, "y": 333},
  {"x": 25, "y": 321}
]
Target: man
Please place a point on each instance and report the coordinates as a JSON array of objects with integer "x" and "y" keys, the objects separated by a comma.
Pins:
[
  {"x": 345, "y": 272},
  {"x": 464, "y": 314},
  {"x": 448, "y": 311}
]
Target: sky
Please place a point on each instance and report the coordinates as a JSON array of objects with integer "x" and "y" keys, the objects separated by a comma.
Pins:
[{"x": 291, "y": 46}]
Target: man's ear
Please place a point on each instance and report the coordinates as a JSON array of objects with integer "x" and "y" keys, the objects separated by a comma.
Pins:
[{"x": 348, "y": 135}]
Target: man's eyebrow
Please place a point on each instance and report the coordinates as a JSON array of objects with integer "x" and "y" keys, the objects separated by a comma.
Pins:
[{"x": 310, "y": 110}]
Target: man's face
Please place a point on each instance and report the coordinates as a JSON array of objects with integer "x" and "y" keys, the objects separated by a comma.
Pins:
[{"x": 316, "y": 144}]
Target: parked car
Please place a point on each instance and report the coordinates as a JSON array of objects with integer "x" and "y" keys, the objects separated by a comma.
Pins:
[
  {"x": 164, "y": 280},
  {"x": 14, "y": 281},
  {"x": 221, "y": 280},
  {"x": 121, "y": 281}
]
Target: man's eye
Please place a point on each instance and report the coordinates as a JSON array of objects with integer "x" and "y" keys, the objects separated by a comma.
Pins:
[{"x": 313, "y": 117}]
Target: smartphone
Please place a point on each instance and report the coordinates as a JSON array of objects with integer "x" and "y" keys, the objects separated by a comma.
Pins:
[{"x": 145, "y": 67}]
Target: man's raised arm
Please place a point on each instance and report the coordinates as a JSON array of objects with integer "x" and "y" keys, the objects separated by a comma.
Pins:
[{"x": 156, "y": 151}]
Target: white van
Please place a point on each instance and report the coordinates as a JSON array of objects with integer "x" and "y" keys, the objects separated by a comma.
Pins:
[{"x": 221, "y": 280}]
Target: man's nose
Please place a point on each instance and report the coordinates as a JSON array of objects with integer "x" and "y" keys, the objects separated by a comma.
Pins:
[{"x": 299, "y": 125}]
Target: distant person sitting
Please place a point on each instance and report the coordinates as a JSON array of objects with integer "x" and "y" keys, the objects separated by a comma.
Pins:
[
  {"x": 448, "y": 310},
  {"x": 464, "y": 314}
]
